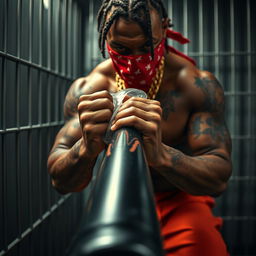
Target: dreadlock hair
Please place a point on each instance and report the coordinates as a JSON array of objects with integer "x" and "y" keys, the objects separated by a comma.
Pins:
[{"x": 135, "y": 10}]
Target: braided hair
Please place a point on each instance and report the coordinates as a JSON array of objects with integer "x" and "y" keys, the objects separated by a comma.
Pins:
[{"x": 135, "y": 10}]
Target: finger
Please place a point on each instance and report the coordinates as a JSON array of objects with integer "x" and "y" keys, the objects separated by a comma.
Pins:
[
  {"x": 134, "y": 111},
  {"x": 145, "y": 127},
  {"x": 95, "y": 130},
  {"x": 96, "y": 95},
  {"x": 147, "y": 101},
  {"x": 148, "y": 106},
  {"x": 96, "y": 104},
  {"x": 100, "y": 116}
]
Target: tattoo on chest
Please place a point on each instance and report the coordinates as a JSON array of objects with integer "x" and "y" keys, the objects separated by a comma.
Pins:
[
  {"x": 168, "y": 102},
  {"x": 212, "y": 90}
]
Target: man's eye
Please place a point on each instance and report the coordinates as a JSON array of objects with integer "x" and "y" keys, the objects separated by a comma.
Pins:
[{"x": 120, "y": 48}]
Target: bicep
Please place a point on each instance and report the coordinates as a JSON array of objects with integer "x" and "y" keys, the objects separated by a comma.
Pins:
[
  {"x": 208, "y": 134},
  {"x": 207, "y": 129},
  {"x": 96, "y": 81}
]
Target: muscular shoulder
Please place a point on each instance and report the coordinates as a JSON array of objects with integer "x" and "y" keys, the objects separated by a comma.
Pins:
[
  {"x": 202, "y": 89},
  {"x": 98, "y": 79}
]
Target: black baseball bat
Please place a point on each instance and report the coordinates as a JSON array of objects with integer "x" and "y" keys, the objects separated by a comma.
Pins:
[{"x": 120, "y": 217}]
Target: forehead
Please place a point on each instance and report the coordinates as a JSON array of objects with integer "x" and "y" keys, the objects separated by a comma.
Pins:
[{"x": 127, "y": 28}]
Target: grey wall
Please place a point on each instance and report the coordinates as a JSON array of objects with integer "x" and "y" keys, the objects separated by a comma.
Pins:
[
  {"x": 40, "y": 54},
  {"x": 223, "y": 41}
]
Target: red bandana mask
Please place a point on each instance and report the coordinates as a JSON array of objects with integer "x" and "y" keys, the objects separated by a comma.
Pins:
[{"x": 137, "y": 71}]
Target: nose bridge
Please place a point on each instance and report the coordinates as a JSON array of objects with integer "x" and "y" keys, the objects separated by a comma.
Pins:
[{"x": 138, "y": 50}]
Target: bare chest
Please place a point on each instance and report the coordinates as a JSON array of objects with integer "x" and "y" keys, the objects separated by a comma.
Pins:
[{"x": 175, "y": 116}]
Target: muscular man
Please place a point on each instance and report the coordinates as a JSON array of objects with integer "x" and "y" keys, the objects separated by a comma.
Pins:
[{"x": 186, "y": 142}]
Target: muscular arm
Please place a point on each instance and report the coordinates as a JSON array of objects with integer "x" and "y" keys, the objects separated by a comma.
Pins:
[
  {"x": 68, "y": 165},
  {"x": 207, "y": 169},
  {"x": 67, "y": 154},
  {"x": 78, "y": 143}
]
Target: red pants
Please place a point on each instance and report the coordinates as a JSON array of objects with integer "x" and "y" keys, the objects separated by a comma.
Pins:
[{"x": 187, "y": 225}]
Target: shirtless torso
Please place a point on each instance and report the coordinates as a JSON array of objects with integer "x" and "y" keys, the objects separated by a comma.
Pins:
[
  {"x": 185, "y": 138},
  {"x": 184, "y": 92}
]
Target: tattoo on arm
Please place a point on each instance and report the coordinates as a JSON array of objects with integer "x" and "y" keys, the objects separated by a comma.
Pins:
[
  {"x": 168, "y": 102},
  {"x": 76, "y": 148},
  {"x": 213, "y": 92},
  {"x": 176, "y": 156},
  {"x": 209, "y": 126},
  {"x": 71, "y": 102}
]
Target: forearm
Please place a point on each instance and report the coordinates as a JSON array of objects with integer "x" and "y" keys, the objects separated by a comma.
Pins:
[
  {"x": 70, "y": 169},
  {"x": 198, "y": 175}
]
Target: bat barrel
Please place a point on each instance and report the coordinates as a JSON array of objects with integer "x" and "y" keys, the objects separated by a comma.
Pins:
[{"x": 120, "y": 215}]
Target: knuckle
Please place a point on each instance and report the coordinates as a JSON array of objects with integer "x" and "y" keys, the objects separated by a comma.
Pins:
[
  {"x": 157, "y": 119},
  {"x": 88, "y": 128},
  {"x": 83, "y": 97},
  {"x": 82, "y": 105},
  {"x": 154, "y": 127},
  {"x": 156, "y": 102},
  {"x": 134, "y": 119},
  {"x": 106, "y": 101},
  {"x": 105, "y": 94},
  {"x": 132, "y": 109},
  {"x": 108, "y": 113},
  {"x": 83, "y": 117},
  {"x": 158, "y": 109}
]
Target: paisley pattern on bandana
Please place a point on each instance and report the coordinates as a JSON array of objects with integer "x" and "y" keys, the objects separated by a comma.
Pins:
[{"x": 138, "y": 71}]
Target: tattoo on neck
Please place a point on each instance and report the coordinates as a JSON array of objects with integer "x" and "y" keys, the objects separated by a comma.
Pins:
[{"x": 168, "y": 102}]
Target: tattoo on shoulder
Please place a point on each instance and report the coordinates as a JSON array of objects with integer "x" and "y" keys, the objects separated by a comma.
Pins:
[
  {"x": 214, "y": 97},
  {"x": 168, "y": 102}
]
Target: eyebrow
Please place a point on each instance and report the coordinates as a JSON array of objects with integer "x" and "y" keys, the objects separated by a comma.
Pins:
[{"x": 120, "y": 44}]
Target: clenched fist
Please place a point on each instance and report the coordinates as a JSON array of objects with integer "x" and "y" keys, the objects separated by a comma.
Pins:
[{"x": 95, "y": 111}]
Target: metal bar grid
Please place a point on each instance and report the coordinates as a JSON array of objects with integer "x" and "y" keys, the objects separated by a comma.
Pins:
[
  {"x": 34, "y": 130},
  {"x": 40, "y": 52},
  {"x": 34, "y": 225},
  {"x": 249, "y": 62},
  {"x": 185, "y": 23},
  {"x": 36, "y": 66},
  {"x": 201, "y": 38},
  {"x": 32, "y": 127},
  {"x": 216, "y": 36}
]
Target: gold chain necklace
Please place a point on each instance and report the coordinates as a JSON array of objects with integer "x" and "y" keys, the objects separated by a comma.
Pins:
[{"x": 154, "y": 87}]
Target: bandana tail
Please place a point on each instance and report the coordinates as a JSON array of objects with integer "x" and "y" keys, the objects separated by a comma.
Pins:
[{"x": 182, "y": 40}]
